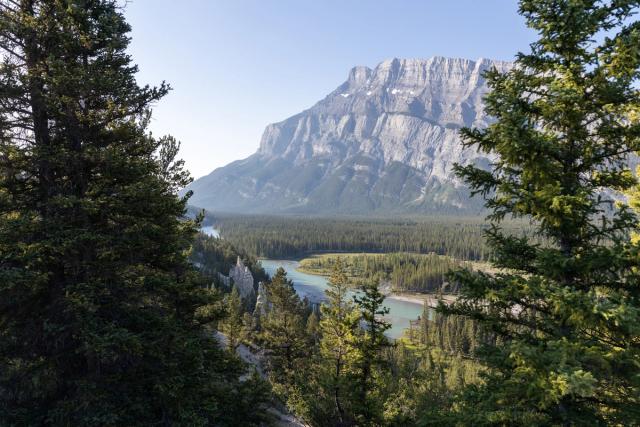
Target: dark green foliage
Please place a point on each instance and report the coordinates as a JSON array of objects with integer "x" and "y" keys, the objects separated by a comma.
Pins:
[
  {"x": 370, "y": 365},
  {"x": 339, "y": 325},
  {"x": 422, "y": 385},
  {"x": 102, "y": 317},
  {"x": 350, "y": 374},
  {"x": 294, "y": 237},
  {"x": 402, "y": 271},
  {"x": 453, "y": 335},
  {"x": 568, "y": 312},
  {"x": 429, "y": 370},
  {"x": 234, "y": 326},
  {"x": 283, "y": 329}
]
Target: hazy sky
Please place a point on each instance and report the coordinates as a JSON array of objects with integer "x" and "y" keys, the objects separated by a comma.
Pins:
[{"x": 237, "y": 65}]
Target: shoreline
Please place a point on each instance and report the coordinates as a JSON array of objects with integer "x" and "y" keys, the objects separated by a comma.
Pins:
[
  {"x": 417, "y": 298},
  {"x": 411, "y": 297}
]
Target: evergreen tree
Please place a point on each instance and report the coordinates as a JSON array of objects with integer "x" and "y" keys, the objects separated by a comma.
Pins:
[
  {"x": 233, "y": 325},
  {"x": 283, "y": 328},
  {"x": 313, "y": 329},
  {"x": 369, "y": 343},
  {"x": 101, "y": 314},
  {"x": 633, "y": 194},
  {"x": 567, "y": 311},
  {"x": 338, "y": 326}
]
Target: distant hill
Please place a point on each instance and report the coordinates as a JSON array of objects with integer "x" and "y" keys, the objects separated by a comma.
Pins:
[{"x": 383, "y": 142}]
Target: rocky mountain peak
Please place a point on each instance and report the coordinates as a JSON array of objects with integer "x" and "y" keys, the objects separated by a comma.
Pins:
[
  {"x": 385, "y": 139},
  {"x": 359, "y": 75}
]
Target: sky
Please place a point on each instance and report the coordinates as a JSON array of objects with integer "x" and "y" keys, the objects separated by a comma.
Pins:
[{"x": 237, "y": 65}]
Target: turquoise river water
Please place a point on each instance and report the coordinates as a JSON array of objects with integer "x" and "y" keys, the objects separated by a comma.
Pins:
[{"x": 313, "y": 287}]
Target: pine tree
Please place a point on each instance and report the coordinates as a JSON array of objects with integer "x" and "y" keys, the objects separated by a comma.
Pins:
[
  {"x": 313, "y": 329},
  {"x": 101, "y": 314},
  {"x": 233, "y": 325},
  {"x": 338, "y": 325},
  {"x": 567, "y": 311},
  {"x": 370, "y": 343},
  {"x": 283, "y": 328},
  {"x": 633, "y": 195}
]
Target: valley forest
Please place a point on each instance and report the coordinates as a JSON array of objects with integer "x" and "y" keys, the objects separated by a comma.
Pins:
[{"x": 437, "y": 242}]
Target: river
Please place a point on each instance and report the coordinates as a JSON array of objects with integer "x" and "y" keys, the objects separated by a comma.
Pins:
[{"x": 313, "y": 287}]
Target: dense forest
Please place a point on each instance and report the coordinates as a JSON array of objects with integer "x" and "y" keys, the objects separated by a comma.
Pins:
[
  {"x": 293, "y": 237},
  {"x": 453, "y": 335},
  {"x": 401, "y": 271},
  {"x": 108, "y": 316}
]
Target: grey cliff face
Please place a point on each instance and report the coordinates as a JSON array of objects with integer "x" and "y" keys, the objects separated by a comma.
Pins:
[
  {"x": 383, "y": 141},
  {"x": 262, "y": 301},
  {"x": 242, "y": 280}
]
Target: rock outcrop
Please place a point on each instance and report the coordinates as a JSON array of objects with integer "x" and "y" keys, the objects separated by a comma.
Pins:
[
  {"x": 240, "y": 276},
  {"x": 262, "y": 301},
  {"x": 243, "y": 280},
  {"x": 384, "y": 141}
]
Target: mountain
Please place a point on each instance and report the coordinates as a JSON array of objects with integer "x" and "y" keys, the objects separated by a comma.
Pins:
[{"x": 383, "y": 142}]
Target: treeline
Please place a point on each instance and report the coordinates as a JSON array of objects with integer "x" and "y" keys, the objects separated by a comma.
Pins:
[
  {"x": 453, "y": 335},
  {"x": 292, "y": 237},
  {"x": 401, "y": 271}
]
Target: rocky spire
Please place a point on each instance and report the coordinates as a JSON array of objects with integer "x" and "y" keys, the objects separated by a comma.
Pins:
[
  {"x": 262, "y": 301},
  {"x": 243, "y": 280}
]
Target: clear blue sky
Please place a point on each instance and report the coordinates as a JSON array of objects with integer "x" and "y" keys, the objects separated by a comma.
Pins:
[{"x": 237, "y": 65}]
